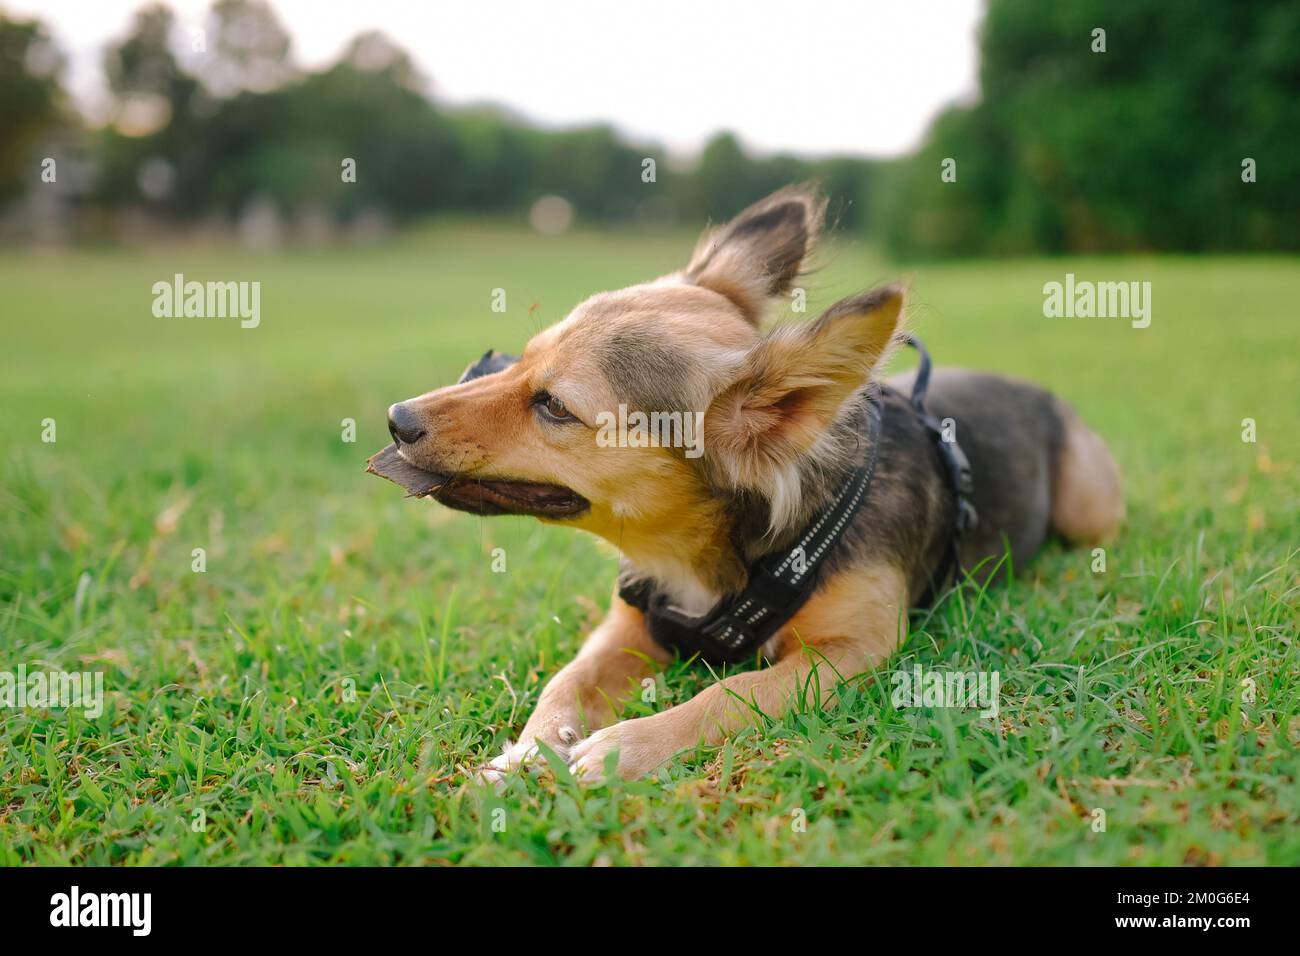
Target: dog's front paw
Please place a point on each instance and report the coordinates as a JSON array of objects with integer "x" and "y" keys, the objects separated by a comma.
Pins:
[
  {"x": 525, "y": 753},
  {"x": 511, "y": 759},
  {"x": 638, "y": 750}
]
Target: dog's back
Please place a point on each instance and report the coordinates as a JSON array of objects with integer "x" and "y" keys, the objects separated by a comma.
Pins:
[{"x": 1038, "y": 469}]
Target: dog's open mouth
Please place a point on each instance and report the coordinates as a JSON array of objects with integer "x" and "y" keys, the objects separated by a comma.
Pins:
[{"x": 482, "y": 496}]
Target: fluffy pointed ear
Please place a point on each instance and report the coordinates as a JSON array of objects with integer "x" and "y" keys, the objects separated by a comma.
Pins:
[
  {"x": 791, "y": 387},
  {"x": 758, "y": 254}
]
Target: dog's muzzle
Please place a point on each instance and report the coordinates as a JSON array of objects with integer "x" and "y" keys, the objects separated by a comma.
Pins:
[{"x": 484, "y": 496}]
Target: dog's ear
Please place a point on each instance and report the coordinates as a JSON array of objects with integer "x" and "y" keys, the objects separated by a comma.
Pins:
[
  {"x": 759, "y": 254},
  {"x": 790, "y": 388}
]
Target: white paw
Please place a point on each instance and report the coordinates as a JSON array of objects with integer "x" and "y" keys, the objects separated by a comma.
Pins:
[
  {"x": 587, "y": 762},
  {"x": 525, "y": 755},
  {"x": 511, "y": 759}
]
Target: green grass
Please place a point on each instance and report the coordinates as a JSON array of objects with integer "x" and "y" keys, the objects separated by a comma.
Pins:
[{"x": 227, "y": 691}]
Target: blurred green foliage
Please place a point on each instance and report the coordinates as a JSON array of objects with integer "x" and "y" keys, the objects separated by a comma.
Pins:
[
  {"x": 1070, "y": 147},
  {"x": 1139, "y": 147},
  {"x": 30, "y": 98},
  {"x": 239, "y": 124}
]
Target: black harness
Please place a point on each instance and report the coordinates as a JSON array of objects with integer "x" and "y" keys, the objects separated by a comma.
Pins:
[
  {"x": 779, "y": 584},
  {"x": 956, "y": 469}
]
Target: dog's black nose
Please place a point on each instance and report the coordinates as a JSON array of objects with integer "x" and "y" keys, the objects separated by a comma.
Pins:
[{"x": 403, "y": 425}]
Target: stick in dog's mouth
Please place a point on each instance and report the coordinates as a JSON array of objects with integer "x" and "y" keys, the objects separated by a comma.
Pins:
[{"x": 484, "y": 496}]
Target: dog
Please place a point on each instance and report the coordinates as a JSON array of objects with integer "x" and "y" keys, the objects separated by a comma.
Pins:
[{"x": 787, "y": 425}]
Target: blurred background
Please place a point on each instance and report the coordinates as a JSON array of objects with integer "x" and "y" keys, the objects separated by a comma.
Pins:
[{"x": 232, "y": 118}]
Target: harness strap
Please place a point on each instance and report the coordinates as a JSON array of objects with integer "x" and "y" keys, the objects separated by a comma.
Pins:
[
  {"x": 957, "y": 470},
  {"x": 780, "y": 583},
  {"x": 777, "y": 586},
  {"x": 491, "y": 361}
]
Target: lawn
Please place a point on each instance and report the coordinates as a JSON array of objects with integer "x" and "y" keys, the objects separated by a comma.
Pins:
[{"x": 319, "y": 692}]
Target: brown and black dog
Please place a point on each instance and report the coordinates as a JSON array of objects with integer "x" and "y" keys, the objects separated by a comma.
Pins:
[{"x": 782, "y": 432}]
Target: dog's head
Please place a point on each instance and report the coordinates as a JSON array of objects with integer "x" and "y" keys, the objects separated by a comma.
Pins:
[{"x": 647, "y": 412}]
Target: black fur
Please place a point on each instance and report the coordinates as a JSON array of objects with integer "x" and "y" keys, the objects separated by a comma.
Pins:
[{"x": 1012, "y": 434}]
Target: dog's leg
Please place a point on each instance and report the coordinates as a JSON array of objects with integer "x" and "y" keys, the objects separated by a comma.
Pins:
[
  {"x": 852, "y": 622},
  {"x": 579, "y": 698}
]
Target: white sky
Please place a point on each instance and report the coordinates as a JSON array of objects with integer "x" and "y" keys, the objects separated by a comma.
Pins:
[{"x": 806, "y": 76}]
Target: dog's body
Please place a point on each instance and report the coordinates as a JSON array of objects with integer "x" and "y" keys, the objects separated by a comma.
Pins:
[
  {"x": 782, "y": 433},
  {"x": 1027, "y": 447}
]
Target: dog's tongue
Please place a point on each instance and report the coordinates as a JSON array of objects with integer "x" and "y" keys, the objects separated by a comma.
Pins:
[{"x": 417, "y": 482}]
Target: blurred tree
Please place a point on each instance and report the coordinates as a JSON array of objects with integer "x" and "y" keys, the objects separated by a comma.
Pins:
[
  {"x": 498, "y": 160},
  {"x": 247, "y": 49},
  {"x": 726, "y": 179},
  {"x": 594, "y": 169},
  {"x": 248, "y": 129},
  {"x": 848, "y": 184},
  {"x": 373, "y": 52},
  {"x": 143, "y": 62},
  {"x": 30, "y": 100},
  {"x": 722, "y": 183},
  {"x": 367, "y": 107},
  {"x": 288, "y": 145},
  {"x": 154, "y": 126},
  {"x": 1069, "y": 148},
  {"x": 1137, "y": 147}
]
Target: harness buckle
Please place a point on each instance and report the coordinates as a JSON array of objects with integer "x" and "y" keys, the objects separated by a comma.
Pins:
[{"x": 967, "y": 516}]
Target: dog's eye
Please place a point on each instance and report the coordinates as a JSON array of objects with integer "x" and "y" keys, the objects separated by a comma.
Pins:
[{"x": 552, "y": 407}]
